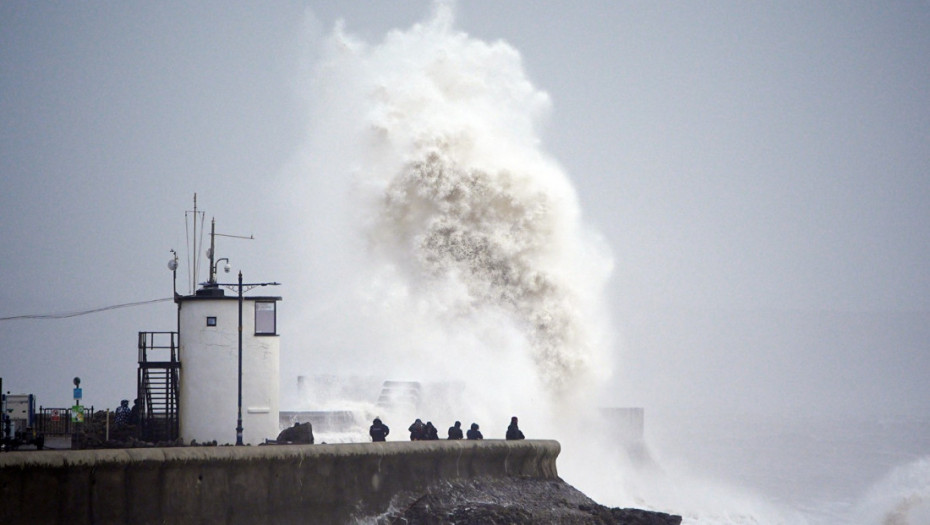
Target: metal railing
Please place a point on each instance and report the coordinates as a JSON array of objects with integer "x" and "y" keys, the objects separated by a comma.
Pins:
[
  {"x": 158, "y": 386},
  {"x": 51, "y": 420}
]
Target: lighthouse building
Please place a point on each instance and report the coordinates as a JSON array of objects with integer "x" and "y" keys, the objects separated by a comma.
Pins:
[{"x": 208, "y": 324}]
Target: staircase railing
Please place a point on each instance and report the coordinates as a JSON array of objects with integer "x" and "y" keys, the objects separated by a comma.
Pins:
[{"x": 158, "y": 386}]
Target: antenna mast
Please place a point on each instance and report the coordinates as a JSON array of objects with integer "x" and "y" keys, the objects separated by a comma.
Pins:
[
  {"x": 194, "y": 250},
  {"x": 193, "y": 256},
  {"x": 211, "y": 253}
]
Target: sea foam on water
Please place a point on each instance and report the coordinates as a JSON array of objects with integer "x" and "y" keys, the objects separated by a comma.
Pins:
[
  {"x": 477, "y": 267},
  {"x": 452, "y": 250}
]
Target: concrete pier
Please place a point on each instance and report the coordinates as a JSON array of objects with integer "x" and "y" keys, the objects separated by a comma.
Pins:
[{"x": 267, "y": 484}]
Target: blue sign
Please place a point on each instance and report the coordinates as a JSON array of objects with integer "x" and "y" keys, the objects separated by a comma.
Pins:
[{"x": 77, "y": 393}]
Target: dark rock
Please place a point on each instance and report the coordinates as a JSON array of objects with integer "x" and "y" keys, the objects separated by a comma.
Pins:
[
  {"x": 645, "y": 517},
  {"x": 300, "y": 433},
  {"x": 514, "y": 501}
]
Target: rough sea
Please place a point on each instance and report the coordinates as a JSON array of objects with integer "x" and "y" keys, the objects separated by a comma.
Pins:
[
  {"x": 836, "y": 469},
  {"x": 450, "y": 228}
]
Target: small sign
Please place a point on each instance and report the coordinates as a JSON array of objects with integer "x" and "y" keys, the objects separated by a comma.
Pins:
[
  {"x": 77, "y": 393},
  {"x": 56, "y": 415},
  {"x": 77, "y": 414}
]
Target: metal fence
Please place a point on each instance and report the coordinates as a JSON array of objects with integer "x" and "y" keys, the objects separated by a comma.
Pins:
[{"x": 61, "y": 420}]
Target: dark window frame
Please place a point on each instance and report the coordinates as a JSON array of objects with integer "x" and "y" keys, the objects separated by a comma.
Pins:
[
  {"x": 259, "y": 323},
  {"x": 211, "y": 320}
]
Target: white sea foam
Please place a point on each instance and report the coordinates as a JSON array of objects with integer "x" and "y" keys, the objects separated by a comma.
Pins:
[
  {"x": 477, "y": 267},
  {"x": 454, "y": 251},
  {"x": 900, "y": 498}
]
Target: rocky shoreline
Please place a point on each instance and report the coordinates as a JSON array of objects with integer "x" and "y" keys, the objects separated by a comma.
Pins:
[{"x": 513, "y": 501}]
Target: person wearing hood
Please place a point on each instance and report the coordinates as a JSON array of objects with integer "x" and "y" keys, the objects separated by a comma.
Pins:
[
  {"x": 431, "y": 432},
  {"x": 135, "y": 413},
  {"x": 122, "y": 414},
  {"x": 455, "y": 431},
  {"x": 473, "y": 432},
  {"x": 378, "y": 430},
  {"x": 513, "y": 431},
  {"x": 417, "y": 430}
]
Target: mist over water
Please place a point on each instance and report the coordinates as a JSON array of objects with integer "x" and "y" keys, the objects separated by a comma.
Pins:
[
  {"x": 455, "y": 253},
  {"x": 477, "y": 267}
]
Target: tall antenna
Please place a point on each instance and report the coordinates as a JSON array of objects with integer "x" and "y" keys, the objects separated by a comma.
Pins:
[
  {"x": 193, "y": 255},
  {"x": 195, "y": 242},
  {"x": 211, "y": 253}
]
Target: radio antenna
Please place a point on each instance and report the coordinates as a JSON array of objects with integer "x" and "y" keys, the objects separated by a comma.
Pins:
[{"x": 193, "y": 256}]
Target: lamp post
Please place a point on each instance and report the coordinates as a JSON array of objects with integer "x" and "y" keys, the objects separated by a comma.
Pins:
[
  {"x": 240, "y": 287},
  {"x": 239, "y": 419},
  {"x": 173, "y": 266}
]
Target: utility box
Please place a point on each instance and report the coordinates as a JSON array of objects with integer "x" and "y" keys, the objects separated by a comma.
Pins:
[
  {"x": 21, "y": 410},
  {"x": 19, "y": 422}
]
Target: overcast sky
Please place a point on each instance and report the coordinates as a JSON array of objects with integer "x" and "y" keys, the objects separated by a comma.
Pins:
[{"x": 759, "y": 171}]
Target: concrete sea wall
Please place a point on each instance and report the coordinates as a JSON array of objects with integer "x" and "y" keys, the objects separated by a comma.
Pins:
[{"x": 293, "y": 484}]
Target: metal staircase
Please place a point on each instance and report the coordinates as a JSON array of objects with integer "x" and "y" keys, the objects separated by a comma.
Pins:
[{"x": 157, "y": 383}]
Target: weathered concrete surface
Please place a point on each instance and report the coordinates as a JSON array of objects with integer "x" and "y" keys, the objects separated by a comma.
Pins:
[
  {"x": 269, "y": 484},
  {"x": 514, "y": 501}
]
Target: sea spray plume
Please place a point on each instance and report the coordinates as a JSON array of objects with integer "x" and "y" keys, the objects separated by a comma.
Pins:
[
  {"x": 496, "y": 234},
  {"x": 476, "y": 255},
  {"x": 476, "y": 202},
  {"x": 902, "y": 497},
  {"x": 476, "y": 267}
]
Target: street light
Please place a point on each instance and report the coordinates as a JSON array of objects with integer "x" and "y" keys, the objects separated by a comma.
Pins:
[
  {"x": 226, "y": 267},
  {"x": 239, "y": 406},
  {"x": 240, "y": 286},
  {"x": 173, "y": 267}
]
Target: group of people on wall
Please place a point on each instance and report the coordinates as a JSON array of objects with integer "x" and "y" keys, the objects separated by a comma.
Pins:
[{"x": 420, "y": 431}]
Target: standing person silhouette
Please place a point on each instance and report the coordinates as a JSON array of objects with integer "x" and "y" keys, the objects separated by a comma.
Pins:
[
  {"x": 430, "y": 432},
  {"x": 417, "y": 430},
  {"x": 123, "y": 414},
  {"x": 378, "y": 430},
  {"x": 513, "y": 431},
  {"x": 455, "y": 431}
]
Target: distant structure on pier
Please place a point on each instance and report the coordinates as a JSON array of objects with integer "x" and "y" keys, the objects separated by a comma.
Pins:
[{"x": 217, "y": 377}]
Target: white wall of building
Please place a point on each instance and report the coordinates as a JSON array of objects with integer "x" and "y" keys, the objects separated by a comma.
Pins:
[{"x": 209, "y": 373}]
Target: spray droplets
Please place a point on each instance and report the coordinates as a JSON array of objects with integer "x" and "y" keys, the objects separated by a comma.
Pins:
[
  {"x": 480, "y": 269},
  {"x": 494, "y": 234}
]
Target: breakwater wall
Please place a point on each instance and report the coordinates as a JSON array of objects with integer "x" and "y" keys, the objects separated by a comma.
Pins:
[{"x": 293, "y": 484}]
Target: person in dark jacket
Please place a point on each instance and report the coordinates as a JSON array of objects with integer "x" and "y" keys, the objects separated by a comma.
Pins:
[
  {"x": 513, "y": 431},
  {"x": 378, "y": 430},
  {"x": 135, "y": 414},
  {"x": 417, "y": 430},
  {"x": 455, "y": 431},
  {"x": 473, "y": 432},
  {"x": 431, "y": 432},
  {"x": 123, "y": 414}
]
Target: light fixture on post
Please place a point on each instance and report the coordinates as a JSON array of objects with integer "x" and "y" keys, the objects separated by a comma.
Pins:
[
  {"x": 240, "y": 289},
  {"x": 211, "y": 252},
  {"x": 226, "y": 268},
  {"x": 173, "y": 266}
]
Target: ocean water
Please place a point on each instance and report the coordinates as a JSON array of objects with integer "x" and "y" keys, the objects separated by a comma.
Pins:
[
  {"x": 744, "y": 470},
  {"x": 455, "y": 245},
  {"x": 832, "y": 469}
]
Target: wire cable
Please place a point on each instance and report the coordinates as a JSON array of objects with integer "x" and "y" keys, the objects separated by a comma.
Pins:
[{"x": 84, "y": 312}]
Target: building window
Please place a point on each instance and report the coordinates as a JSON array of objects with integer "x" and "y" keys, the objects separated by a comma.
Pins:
[
  {"x": 265, "y": 322},
  {"x": 211, "y": 321}
]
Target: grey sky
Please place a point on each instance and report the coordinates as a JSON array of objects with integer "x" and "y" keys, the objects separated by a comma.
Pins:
[{"x": 759, "y": 171}]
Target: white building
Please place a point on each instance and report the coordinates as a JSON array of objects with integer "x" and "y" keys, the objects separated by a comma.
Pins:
[{"x": 208, "y": 325}]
